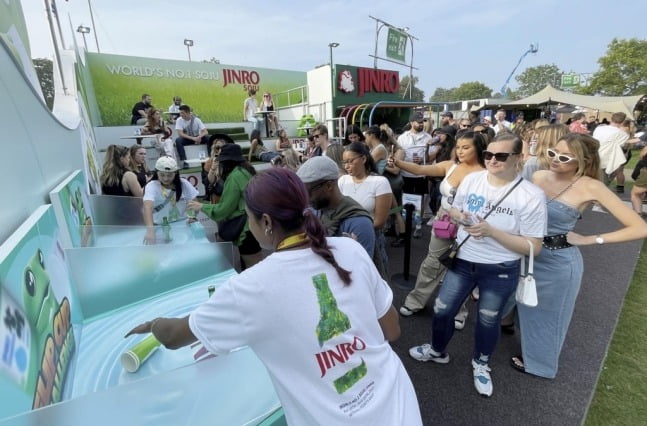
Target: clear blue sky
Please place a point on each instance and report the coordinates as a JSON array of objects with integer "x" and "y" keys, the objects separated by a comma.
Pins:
[{"x": 458, "y": 41}]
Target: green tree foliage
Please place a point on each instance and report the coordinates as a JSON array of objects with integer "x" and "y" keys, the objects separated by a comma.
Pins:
[
  {"x": 623, "y": 69},
  {"x": 417, "y": 95},
  {"x": 45, "y": 73},
  {"x": 469, "y": 90},
  {"x": 533, "y": 79},
  {"x": 472, "y": 90}
]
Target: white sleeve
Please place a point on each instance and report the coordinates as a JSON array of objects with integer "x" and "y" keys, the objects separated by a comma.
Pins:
[
  {"x": 382, "y": 186},
  {"x": 152, "y": 191},
  {"x": 533, "y": 217},
  {"x": 188, "y": 191}
]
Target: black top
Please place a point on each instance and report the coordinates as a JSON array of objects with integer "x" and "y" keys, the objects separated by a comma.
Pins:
[{"x": 135, "y": 114}]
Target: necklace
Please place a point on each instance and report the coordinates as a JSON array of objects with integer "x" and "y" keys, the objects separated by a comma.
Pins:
[
  {"x": 356, "y": 185},
  {"x": 293, "y": 241},
  {"x": 563, "y": 190}
]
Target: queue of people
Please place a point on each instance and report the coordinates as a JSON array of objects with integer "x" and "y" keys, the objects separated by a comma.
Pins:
[{"x": 503, "y": 195}]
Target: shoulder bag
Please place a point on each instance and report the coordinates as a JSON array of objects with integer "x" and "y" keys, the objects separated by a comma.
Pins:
[{"x": 526, "y": 289}]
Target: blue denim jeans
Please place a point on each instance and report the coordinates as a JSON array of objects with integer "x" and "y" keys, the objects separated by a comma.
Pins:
[{"x": 496, "y": 282}]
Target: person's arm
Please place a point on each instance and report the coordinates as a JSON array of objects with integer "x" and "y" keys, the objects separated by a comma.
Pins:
[
  {"x": 390, "y": 324},
  {"x": 226, "y": 206},
  {"x": 381, "y": 154},
  {"x": 382, "y": 206},
  {"x": 634, "y": 227},
  {"x": 436, "y": 170},
  {"x": 173, "y": 333},
  {"x": 252, "y": 148},
  {"x": 132, "y": 184},
  {"x": 361, "y": 229},
  {"x": 149, "y": 238},
  {"x": 245, "y": 106},
  {"x": 213, "y": 172}
]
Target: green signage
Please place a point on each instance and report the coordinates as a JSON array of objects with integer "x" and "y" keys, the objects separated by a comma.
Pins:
[
  {"x": 570, "y": 80},
  {"x": 396, "y": 45}
]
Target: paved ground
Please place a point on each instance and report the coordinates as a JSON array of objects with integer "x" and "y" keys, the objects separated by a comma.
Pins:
[{"x": 446, "y": 393}]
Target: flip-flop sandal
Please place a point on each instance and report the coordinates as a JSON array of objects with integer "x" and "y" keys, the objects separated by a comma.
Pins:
[{"x": 517, "y": 363}]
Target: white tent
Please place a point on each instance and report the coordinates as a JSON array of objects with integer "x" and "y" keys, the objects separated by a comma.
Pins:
[{"x": 551, "y": 96}]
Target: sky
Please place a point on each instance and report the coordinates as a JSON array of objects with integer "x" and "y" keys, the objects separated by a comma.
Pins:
[{"x": 456, "y": 42}]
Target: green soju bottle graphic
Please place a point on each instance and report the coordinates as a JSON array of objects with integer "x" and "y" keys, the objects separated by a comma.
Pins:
[
  {"x": 332, "y": 321},
  {"x": 166, "y": 229}
]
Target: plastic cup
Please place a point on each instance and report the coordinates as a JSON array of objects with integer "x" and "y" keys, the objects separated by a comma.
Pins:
[{"x": 132, "y": 359}]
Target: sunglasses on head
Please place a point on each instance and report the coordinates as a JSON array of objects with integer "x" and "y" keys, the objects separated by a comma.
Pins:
[
  {"x": 500, "y": 156},
  {"x": 560, "y": 157}
]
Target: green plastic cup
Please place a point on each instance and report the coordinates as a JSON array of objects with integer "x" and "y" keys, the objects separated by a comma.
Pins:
[{"x": 132, "y": 359}]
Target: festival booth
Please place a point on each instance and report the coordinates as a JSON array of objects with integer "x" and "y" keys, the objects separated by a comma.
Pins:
[
  {"x": 87, "y": 220},
  {"x": 64, "y": 315}
]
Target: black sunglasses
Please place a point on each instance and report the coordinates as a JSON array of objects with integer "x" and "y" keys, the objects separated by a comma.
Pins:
[{"x": 500, "y": 156}]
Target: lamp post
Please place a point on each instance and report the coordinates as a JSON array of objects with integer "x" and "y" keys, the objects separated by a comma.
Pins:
[
  {"x": 83, "y": 30},
  {"x": 188, "y": 43},
  {"x": 332, "y": 72}
]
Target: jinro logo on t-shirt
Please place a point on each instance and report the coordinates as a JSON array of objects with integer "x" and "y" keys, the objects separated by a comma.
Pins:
[{"x": 338, "y": 355}]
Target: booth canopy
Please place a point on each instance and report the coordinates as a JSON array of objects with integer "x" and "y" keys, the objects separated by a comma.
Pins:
[{"x": 551, "y": 96}]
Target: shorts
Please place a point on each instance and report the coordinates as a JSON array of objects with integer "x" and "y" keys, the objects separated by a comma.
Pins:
[
  {"x": 415, "y": 185},
  {"x": 249, "y": 244}
]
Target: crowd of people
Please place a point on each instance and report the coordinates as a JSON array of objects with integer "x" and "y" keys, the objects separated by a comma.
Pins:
[{"x": 509, "y": 188}]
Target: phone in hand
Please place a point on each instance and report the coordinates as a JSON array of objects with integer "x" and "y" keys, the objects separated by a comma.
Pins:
[{"x": 468, "y": 220}]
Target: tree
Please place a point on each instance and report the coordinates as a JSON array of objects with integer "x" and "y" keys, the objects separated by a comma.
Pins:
[
  {"x": 471, "y": 90},
  {"x": 442, "y": 95},
  {"x": 533, "y": 79},
  {"x": 623, "y": 69},
  {"x": 417, "y": 95},
  {"x": 45, "y": 73}
]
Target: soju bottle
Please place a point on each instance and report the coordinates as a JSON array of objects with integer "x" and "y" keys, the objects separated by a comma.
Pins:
[
  {"x": 332, "y": 322},
  {"x": 166, "y": 229}
]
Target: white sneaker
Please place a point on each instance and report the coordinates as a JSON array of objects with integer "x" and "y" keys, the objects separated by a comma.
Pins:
[
  {"x": 482, "y": 379},
  {"x": 404, "y": 311},
  {"x": 417, "y": 233},
  {"x": 425, "y": 353}
]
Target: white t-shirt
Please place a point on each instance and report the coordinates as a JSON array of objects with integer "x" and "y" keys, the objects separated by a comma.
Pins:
[
  {"x": 280, "y": 316},
  {"x": 523, "y": 212},
  {"x": 366, "y": 192},
  {"x": 190, "y": 127},
  {"x": 173, "y": 210},
  {"x": 414, "y": 145},
  {"x": 251, "y": 107},
  {"x": 611, "y": 139}
]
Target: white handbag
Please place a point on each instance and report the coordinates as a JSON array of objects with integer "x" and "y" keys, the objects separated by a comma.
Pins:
[{"x": 526, "y": 289}]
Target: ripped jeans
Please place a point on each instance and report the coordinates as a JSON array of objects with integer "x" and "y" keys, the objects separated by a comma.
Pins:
[{"x": 496, "y": 282}]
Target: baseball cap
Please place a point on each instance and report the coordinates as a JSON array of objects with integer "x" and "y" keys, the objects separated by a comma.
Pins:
[
  {"x": 318, "y": 169},
  {"x": 416, "y": 116},
  {"x": 166, "y": 164},
  {"x": 448, "y": 130},
  {"x": 447, "y": 114}
]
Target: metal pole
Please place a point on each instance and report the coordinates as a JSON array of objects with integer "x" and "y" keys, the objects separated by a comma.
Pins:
[
  {"x": 188, "y": 49},
  {"x": 85, "y": 43},
  {"x": 56, "y": 51},
  {"x": 96, "y": 39},
  {"x": 332, "y": 74},
  {"x": 58, "y": 24},
  {"x": 411, "y": 69}
]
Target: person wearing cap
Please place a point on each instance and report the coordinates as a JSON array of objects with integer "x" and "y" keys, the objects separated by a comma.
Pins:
[
  {"x": 415, "y": 142},
  {"x": 447, "y": 119},
  {"x": 340, "y": 214},
  {"x": 166, "y": 197},
  {"x": 235, "y": 173}
]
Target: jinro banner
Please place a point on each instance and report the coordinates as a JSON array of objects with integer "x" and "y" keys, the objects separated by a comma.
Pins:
[{"x": 216, "y": 92}]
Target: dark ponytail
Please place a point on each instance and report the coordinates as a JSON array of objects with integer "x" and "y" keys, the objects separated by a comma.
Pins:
[{"x": 280, "y": 194}]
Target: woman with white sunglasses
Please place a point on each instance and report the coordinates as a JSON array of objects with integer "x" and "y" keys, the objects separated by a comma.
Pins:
[{"x": 571, "y": 185}]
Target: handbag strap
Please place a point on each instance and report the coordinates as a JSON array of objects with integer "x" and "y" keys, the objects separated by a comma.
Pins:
[
  {"x": 531, "y": 257},
  {"x": 493, "y": 208}
]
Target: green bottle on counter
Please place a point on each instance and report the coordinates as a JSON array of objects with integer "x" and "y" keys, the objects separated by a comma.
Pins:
[{"x": 166, "y": 229}]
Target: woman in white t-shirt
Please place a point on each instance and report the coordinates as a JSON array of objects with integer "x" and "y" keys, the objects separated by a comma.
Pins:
[
  {"x": 489, "y": 258},
  {"x": 371, "y": 191},
  {"x": 165, "y": 197},
  {"x": 322, "y": 331}
]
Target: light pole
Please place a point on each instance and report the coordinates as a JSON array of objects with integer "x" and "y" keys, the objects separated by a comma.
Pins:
[
  {"x": 83, "y": 30},
  {"x": 188, "y": 43},
  {"x": 332, "y": 72}
]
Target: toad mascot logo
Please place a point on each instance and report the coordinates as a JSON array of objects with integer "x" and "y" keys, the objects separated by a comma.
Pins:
[
  {"x": 346, "y": 83},
  {"x": 52, "y": 336}
]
